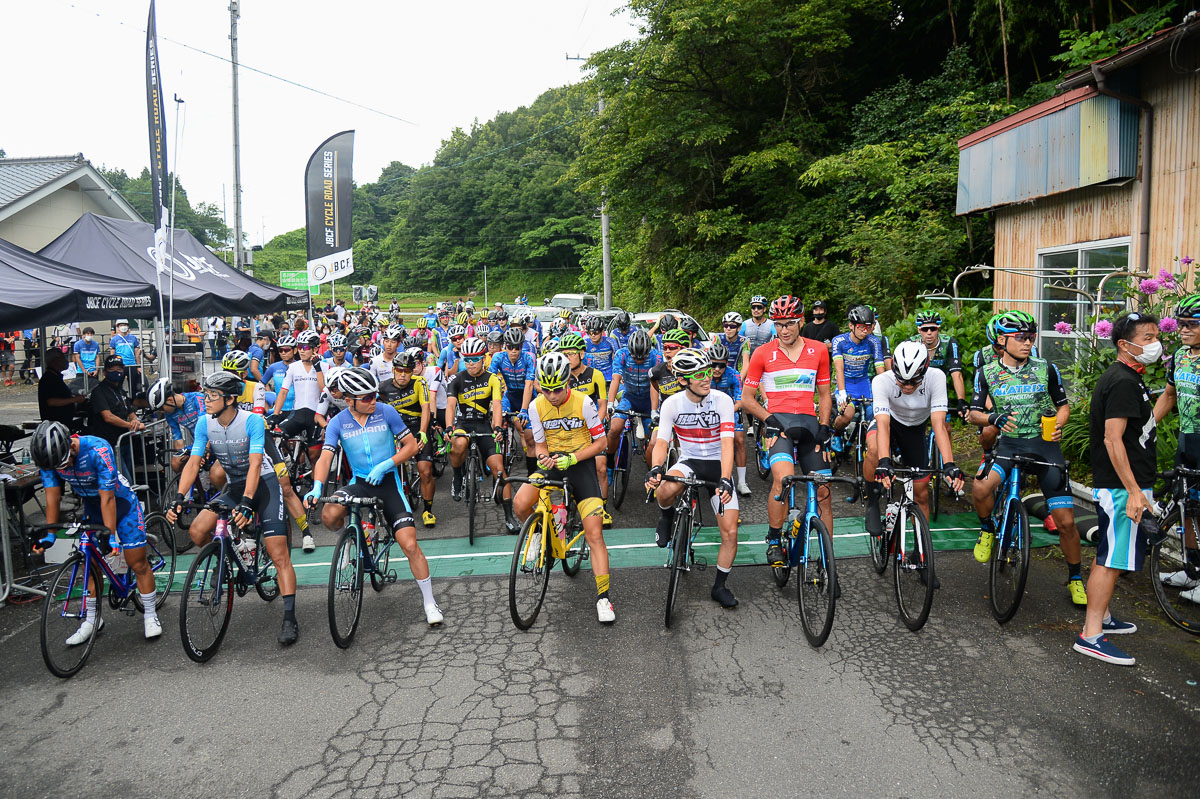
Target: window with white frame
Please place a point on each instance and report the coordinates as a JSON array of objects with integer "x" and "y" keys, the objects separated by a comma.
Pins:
[{"x": 1068, "y": 281}]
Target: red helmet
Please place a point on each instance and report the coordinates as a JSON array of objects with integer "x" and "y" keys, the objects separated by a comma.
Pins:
[{"x": 786, "y": 308}]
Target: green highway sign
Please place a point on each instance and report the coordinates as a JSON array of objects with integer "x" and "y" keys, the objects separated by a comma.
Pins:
[{"x": 298, "y": 281}]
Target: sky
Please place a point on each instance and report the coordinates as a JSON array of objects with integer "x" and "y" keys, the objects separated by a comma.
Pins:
[{"x": 80, "y": 86}]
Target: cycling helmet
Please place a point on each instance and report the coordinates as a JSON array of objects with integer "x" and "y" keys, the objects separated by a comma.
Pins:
[
  {"x": 227, "y": 383},
  {"x": 690, "y": 325},
  {"x": 404, "y": 360},
  {"x": 161, "y": 391},
  {"x": 689, "y": 361},
  {"x": 553, "y": 370},
  {"x": 1188, "y": 307},
  {"x": 595, "y": 324},
  {"x": 358, "y": 382},
  {"x": 394, "y": 332},
  {"x": 1015, "y": 322},
  {"x": 550, "y": 345},
  {"x": 495, "y": 336},
  {"x": 382, "y": 319},
  {"x": 861, "y": 315},
  {"x": 732, "y": 318},
  {"x": 786, "y": 308},
  {"x": 559, "y": 327},
  {"x": 309, "y": 338},
  {"x": 928, "y": 318},
  {"x": 564, "y": 314},
  {"x": 513, "y": 337},
  {"x": 623, "y": 321},
  {"x": 571, "y": 341},
  {"x": 362, "y": 330},
  {"x": 991, "y": 328},
  {"x": 473, "y": 346},
  {"x": 286, "y": 341},
  {"x": 336, "y": 341},
  {"x": 718, "y": 353},
  {"x": 422, "y": 323},
  {"x": 499, "y": 315},
  {"x": 667, "y": 322},
  {"x": 333, "y": 374},
  {"x": 457, "y": 331},
  {"x": 234, "y": 361},
  {"x": 50, "y": 445},
  {"x": 758, "y": 299},
  {"x": 639, "y": 343},
  {"x": 910, "y": 360},
  {"x": 677, "y": 336},
  {"x": 416, "y": 352}
]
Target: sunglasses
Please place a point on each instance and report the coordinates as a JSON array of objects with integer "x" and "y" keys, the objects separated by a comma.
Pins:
[
  {"x": 370, "y": 398},
  {"x": 758, "y": 307},
  {"x": 930, "y": 329},
  {"x": 703, "y": 374},
  {"x": 472, "y": 359},
  {"x": 1024, "y": 336},
  {"x": 916, "y": 381},
  {"x": 671, "y": 347},
  {"x": 285, "y": 349},
  {"x": 339, "y": 349},
  {"x": 786, "y": 322},
  {"x": 514, "y": 348},
  {"x": 305, "y": 347},
  {"x": 1190, "y": 324},
  {"x": 731, "y": 327},
  {"x": 554, "y": 391},
  {"x": 401, "y": 371}
]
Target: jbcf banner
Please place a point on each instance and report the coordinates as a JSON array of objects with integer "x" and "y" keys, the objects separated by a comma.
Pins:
[{"x": 328, "y": 196}]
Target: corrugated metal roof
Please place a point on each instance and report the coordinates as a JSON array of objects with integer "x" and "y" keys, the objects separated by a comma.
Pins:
[{"x": 20, "y": 177}]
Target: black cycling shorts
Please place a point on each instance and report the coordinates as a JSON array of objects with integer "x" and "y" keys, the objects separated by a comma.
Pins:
[
  {"x": 425, "y": 453},
  {"x": 1053, "y": 480},
  {"x": 301, "y": 423},
  {"x": 799, "y": 433},
  {"x": 481, "y": 431},
  {"x": 585, "y": 486},
  {"x": 268, "y": 503},
  {"x": 396, "y": 509},
  {"x": 910, "y": 442}
]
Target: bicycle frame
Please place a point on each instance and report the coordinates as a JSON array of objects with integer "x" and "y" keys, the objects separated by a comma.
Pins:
[
  {"x": 795, "y": 556},
  {"x": 369, "y": 551}
]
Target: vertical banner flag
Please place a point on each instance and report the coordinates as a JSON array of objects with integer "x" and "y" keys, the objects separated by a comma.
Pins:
[
  {"x": 158, "y": 140},
  {"x": 328, "y": 196}
]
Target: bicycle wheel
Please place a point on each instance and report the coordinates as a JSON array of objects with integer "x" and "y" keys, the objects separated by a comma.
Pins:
[
  {"x": 529, "y": 574},
  {"x": 761, "y": 463},
  {"x": 577, "y": 552},
  {"x": 1010, "y": 562},
  {"x": 179, "y": 540},
  {"x": 207, "y": 602},
  {"x": 621, "y": 465},
  {"x": 267, "y": 584},
  {"x": 912, "y": 566},
  {"x": 439, "y": 457},
  {"x": 63, "y": 610},
  {"x": 381, "y": 556},
  {"x": 879, "y": 545},
  {"x": 816, "y": 584},
  {"x": 161, "y": 557},
  {"x": 345, "y": 588},
  {"x": 679, "y": 547},
  {"x": 471, "y": 495},
  {"x": 1172, "y": 575},
  {"x": 783, "y": 573},
  {"x": 936, "y": 481}
]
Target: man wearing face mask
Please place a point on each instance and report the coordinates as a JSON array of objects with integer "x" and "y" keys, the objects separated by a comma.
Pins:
[
  {"x": 112, "y": 411},
  {"x": 126, "y": 345},
  {"x": 819, "y": 327},
  {"x": 87, "y": 354}
]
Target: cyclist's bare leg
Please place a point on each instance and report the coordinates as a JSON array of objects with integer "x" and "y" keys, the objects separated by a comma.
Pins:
[
  {"x": 983, "y": 494},
  {"x": 458, "y": 451},
  {"x": 425, "y": 470},
  {"x": 921, "y": 495},
  {"x": 650, "y": 446},
  {"x": 406, "y": 537},
  {"x": 495, "y": 464},
  {"x": 1068, "y": 533},
  {"x": 842, "y": 419},
  {"x": 332, "y": 516},
  {"x": 727, "y": 524},
  {"x": 136, "y": 558},
  {"x": 201, "y": 528},
  {"x": 593, "y": 533},
  {"x": 825, "y": 506},
  {"x": 777, "y": 511},
  {"x": 525, "y": 501},
  {"x": 216, "y": 475},
  {"x": 739, "y": 448},
  {"x": 295, "y": 506},
  {"x": 615, "y": 428},
  {"x": 281, "y": 556},
  {"x": 602, "y": 475}
]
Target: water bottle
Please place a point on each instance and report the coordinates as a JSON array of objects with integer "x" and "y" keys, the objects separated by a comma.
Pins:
[
  {"x": 369, "y": 530},
  {"x": 560, "y": 520},
  {"x": 246, "y": 549},
  {"x": 893, "y": 510},
  {"x": 116, "y": 558},
  {"x": 25, "y": 456},
  {"x": 793, "y": 521},
  {"x": 639, "y": 430}
]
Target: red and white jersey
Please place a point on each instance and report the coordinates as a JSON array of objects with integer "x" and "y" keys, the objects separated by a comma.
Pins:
[
  {"x": 789, "y": 385},
  {"x": 700, "y": 426}
]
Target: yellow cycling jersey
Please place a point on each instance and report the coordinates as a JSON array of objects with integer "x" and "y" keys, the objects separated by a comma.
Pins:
[
  {"x": 568, "y": 428},
  {"x": 408, "y": 400},
  {"x": 253, "y": 398},
  {"x": 475, "y": 395},
  {"x": 590, "y": 382}
]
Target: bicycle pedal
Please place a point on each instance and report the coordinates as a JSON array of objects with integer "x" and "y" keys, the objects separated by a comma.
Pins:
[
  {"x": 391, "y": 576},
  {"x": 701, "y": 564}
]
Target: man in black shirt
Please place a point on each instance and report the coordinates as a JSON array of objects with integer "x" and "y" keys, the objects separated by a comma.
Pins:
[
  {"x": 112, "y": 412},
  {"x": 56, "y": 403},
  {"x": 819, "y": 328},
  {"x": 1123, "y": 470}
]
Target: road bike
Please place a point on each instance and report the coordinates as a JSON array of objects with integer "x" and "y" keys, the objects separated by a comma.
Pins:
[
  {"x": 554, "y": 531},
  {"x": 473, "y": 471},
  {"x": 1174, "y": 557},
  {"x": 631, "y": 443},
  {"x": 681, "y": 554},
  {"x": 907, "y": 543}
]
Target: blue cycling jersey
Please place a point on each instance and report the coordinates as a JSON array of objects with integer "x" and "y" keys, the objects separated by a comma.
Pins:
[
  {"x": 366, "y": 445},
  {"x": 185, "y": 418},
  {"x": 735, "y": 349},
  {"x": 619, "y": 338},
  {"x": 859, "y": 360},
  {"x": 514, "y": 374},
  {"x": 601, "y": 356},
  {"x": 635, "y": 377},
  {"x": 233, "y": 444},
  {"x": 94, "y": 470},
  {"x": 273, "y": 379},
  {"x": 256, "y": 354},
  {"x": 730, "y": 383},
  {"x": 447, "y": 357}
]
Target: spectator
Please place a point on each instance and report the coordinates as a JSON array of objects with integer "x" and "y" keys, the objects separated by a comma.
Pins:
[
  {"x": 242, "y": 330},
  {"x": 29, "y": 339},
  {"x": 819, "y": 327},
  {"x": 56, "y": 403},
  {"x": 192, "y": 328},
  {"x": 87, "y": 358},
  {"x": 1123, "y": 471},
  {"x": 212, "y": 337},
  {"x": 112, "y": 412},
  {"x": 127, "y": 346},
  {"x": 8, "y": 346}
]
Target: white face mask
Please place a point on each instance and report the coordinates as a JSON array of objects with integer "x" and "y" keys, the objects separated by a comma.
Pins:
[
  {"x": 87, "y": 338},
  {"x": 1150, "y": 353},
  {"x": 122, "y": 328}
]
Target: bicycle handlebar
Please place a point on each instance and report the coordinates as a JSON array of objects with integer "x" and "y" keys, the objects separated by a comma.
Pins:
[
  {"x": 1028, "y": 460},
  {"x": 370, "y": 502},
  {"x": 1179, "y": 471},
  {"x": 544, "y": 481},
  {"x": 691, "y": 481},
  {"x": 820, "y": 479}
]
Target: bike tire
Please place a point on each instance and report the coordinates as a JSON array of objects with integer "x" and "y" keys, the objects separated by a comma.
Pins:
[
  {"x": 913, "y": 571},
  {"x": 267, "y": 584},
  {"x": 816, "y": 584},
  {"x": 527, "y": 584},
  {"x": 577, "y": 553},
  {"x": 471, "y": 492},
  {"x": 761, "y": 465},
  {"x": 621, "y": 465},
  {"x": 202, "y": 605},
  {"x": 880, "y": 546},
  {"x": 161, "y": 557},
  {"x": 1010, "y": 562},
  {"x": 782, "y": 574},
  {"x": 1169, "y": 556},
  {"x": 679, "y": 547},
  {"x": 345, "y": 589},
  {"x": 62, "y": 613},
  {"x": 381, "y": 556},
  {"x": 179, "y": 539}
]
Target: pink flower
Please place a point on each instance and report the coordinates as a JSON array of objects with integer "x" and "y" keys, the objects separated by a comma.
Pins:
[
  {"x": 1103, "y": 328},
  {"x": 1185, "y": 260},
  {"x": 1167, "y": 278},
  {"x": 1150, "y": 285},
  {"x": 1168, "y": 325},
  {"x": 1062, "y": 327}
]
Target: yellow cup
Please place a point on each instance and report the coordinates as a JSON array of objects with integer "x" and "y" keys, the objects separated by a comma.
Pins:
[{"x": 1049, "y": 425}]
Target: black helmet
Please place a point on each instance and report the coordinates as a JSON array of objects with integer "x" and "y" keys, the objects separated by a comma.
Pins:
[
  {"x": 719, "y": 353},
  {"x": 513, "y": 337},
  {"x": 861, "y": 315},
  {"x": 404, "y": 360},
  {"x": 639, "y": 343},
  {"x": 667, "y": 322},
  {"x": 690, "y": 325},
  {"x": 495, "y": 336},
  {"x": 50, "y": 445},
  {"x": 227, "y": 383},
  {"x": 595, "y": 324},
  {"x": 623, "y": 321}
]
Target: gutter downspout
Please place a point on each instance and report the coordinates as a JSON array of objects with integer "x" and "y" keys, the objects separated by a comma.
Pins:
[{"x": 1143, "y": 263}]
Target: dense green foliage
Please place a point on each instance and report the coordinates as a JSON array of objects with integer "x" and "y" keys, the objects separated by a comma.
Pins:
[{"x": 205, "y": 221}]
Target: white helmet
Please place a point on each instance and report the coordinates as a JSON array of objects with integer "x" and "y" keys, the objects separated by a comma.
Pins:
[
  {"x": 158, "y": 394},
  {"x": 332, "y": 374},
  {"x": 358, "y": 382},
  {"x": 732, "y": 318},
  {"x": 910, "y": 360}
]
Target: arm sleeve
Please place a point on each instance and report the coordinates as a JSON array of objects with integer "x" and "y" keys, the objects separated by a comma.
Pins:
[
  {"x": 666, "y": 413},
  {"x": 260, "y": 399},
  {"x": 822, "y": 367},
  {"x": 1054, "y": 385},
  {"x": 877, "y": 351},
  {"x": 938, "y": 401},
  {"x": 422, "y": 393},
  {"x": 735, "y": 389},
  {"x": 601, "y": 384},
  {"x": 256, "y": 429},
  {"x": 839, "y": 344},
  {"x": 323, "y": 403},
  {"x": 200, "y": 437},
  {"x": 953, "y": 356},
  {"x": 535, "y": 423},
  {"x": 530, "y": 367},
  {"x": 50, "y": 479},
  {"x": 591, "y": 418},
  {"x": 495, "y": 389},
  {"x": 980, "y": 394},
  {"x": 1169, "y": 367}
]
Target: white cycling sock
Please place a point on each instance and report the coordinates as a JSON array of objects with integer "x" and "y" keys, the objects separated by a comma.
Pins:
[
  {"x": 426, "y": 587},
  {"x": 91, "y": 610},
  {"x": 149, "y": 611},
  {"x": 741, "y": 470}
]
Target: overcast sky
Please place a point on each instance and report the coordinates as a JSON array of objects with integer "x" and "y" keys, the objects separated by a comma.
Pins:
[{"x": 75, "y": 82}]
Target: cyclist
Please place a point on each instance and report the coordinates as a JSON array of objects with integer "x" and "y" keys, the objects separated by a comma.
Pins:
[
  {"x": 447, "y": 360},
  {"x": 620, "y": 331},
  {"x": 703, "y": 421},
  {"x": 600, "y": 351},
  {"x": 440, "y": 334},
  {"x": 409, "y": 395},
  {"x": 907, "y": 398},
  {"x": 665, "y": 324},
  {"x": 589, "y": 381},
  {"x": 306, "y": 382},
  {"x": 857, "y": 357},
  {"x": 692, "y": 328},
  {"x": 944, "y": 354},
  {"x": 726, "y": 380},
  {"x": 181, "y": 412},
  {"x": 630, "y": 387},
  {"x": 1183, "y": 391},
  {"x": 732, "y": 340},
  {"x": 568, "y": 435},
  {"x": 495, "y": 345},
  {"x": 474, "y": 410},
  {"x": 381, "y": 364},
  {"x": 258, "y": 353},
  {"x": 1021, "y": 389},
  {"x": 662, "y": 380},
  {"x": 254, "y": 397},
  {"x": 361, "y": 348},
  {"x": 238, "y": 440},
  {"x": 517, "y": 368},
  {"x": 789, "y": 371},
  {"x": 376, "y": 441},
  {"x": 88, "y": 465},
  {"x": 275, "y": 373},
  {"x": 988, "y": 433},
  {"x": 757, "y": 330}
]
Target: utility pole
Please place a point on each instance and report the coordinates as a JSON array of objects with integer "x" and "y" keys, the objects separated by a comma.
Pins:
[
  {"x": 605, "y": 248},
  {"x": 234, "y": 13}
]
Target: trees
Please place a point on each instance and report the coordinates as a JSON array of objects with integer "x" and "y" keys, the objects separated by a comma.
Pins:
[{"x": 205, "y": 221}]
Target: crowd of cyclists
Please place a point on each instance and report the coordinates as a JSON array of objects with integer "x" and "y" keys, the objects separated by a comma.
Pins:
[{"x": 379, "y": 393}]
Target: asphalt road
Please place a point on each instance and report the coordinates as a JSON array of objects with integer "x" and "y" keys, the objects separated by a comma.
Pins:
[{"x": 726, "y": 703}]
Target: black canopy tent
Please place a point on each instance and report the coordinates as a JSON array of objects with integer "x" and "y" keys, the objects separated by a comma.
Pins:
[
  {"x": 36, "y": 291},
  {"x": 203, "y": 284}
]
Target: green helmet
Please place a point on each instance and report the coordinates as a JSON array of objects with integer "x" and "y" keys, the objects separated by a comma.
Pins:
[
  {"x": 1015, "y": 322},
  {"x": 677, "y": 336},
  {"x": 570, "y": 341},
  {"x": 991, "y": 327},
  {"x": 928, "y": 317},
  {"x": 1188, "y": 307}
]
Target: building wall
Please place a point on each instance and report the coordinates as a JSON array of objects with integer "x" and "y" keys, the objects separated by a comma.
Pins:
[{"x": 44, "y": 221}]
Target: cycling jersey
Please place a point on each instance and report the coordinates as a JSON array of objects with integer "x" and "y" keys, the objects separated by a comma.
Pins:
[
  {"x": 789, "y": 385},
  {"x": 443, "y": 337},
  {"x": 447, "y": 359},
  {"x": 362, "y": 353},
  {"x": 913, "y": 409},
  {"x": 735, "y": 349},
  {"x": 730, "y": 384},
  {"x": 600, "y": 356},
  {"x": 475, "y": 395},
  {"x": 408, "y": 400},
  {"x": 700, "y": 426},
  {"x": 367, "y": 444},
  {"x": 382, "y": 368},
  {"x": 329, "y": 406},
  {"x": 635, "y": 376},
  {"x": 568, "y": 428},
  {"x": 184, "y": 417},
  {"x": 273, "y": 377},
  {"x": 756, "y": 334},
  {"x": 590, "y": 383},
  {"x": 619, "y": 338},
  {"x": 1183, "y": 372},
  {"x": 1023, "y": 395},
  {"x": 859, "y": 359},
  {"x": 94, "y": 470},
  {"x": 253, "y": 397},
  {"x": 301, "y": 381},
  {"x": 437, "y": 385},
  {"x": 514, "y": 374},
  {"x": 946, "y": 354},
  {"x": 987, "y": 355},
  {"x": 664, "y": 381},
  {"x": 232, "y": 445}
]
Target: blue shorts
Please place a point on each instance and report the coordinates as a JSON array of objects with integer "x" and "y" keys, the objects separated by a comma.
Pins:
[
  {"x": 1118, "y": 545},
  {"x": 510, "y": 401},
  {"x": 131, "y": 524}
]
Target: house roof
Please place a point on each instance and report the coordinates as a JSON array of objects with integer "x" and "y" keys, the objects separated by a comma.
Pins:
[
  {"x": 1165, "y": 39},
  {"x": 24, "y": 181}
]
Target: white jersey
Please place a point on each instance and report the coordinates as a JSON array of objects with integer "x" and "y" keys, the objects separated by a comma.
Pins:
[
  {"x": 302, "y": 383},
  {"x": 382, "y": 368},
  {"x": 910, "y": 410},
  {"x": 437, "y": 385},
  {"x": 329, "y": 406},
  {"x": 700, "y": 426}
]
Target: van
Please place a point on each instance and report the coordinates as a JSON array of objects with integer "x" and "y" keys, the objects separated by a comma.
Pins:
[{"x": 584, "y": 302}]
